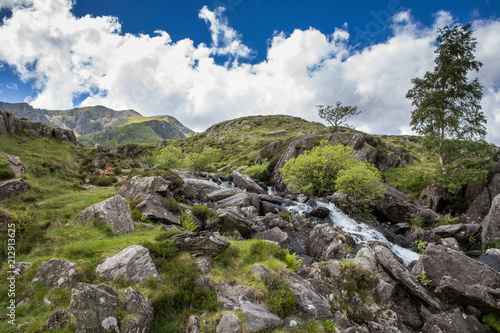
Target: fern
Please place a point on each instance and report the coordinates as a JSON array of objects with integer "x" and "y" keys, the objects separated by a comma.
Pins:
[{"x": 187, "y": 222}]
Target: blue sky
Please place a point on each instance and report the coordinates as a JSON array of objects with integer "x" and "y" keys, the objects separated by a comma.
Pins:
[{"x": 203, "y": 64}]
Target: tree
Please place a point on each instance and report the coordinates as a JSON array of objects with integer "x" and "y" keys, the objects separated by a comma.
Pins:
[
  {"x": 337, "y": 115},
  {"x": 170, "y": 157},
  {"x": 446, "y": 102},
  {"x": 203, "y": 161}
]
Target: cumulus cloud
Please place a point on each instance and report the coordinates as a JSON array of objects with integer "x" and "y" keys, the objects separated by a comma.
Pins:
[{"x": 67, "y": 57}]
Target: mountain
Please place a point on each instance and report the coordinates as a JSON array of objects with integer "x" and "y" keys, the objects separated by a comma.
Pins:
[{"x": 108, "y": 127}]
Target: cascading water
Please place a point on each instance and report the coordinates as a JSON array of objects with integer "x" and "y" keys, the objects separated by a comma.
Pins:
[
  {"x": 271, "y": 190},
  {"x": 361, "y": 232}
]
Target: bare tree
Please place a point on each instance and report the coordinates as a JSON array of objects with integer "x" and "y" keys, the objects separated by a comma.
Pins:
[{"x": 337, "y": 115}]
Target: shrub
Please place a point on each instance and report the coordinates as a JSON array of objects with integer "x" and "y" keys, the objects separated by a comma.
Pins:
[
  {"x": 356, "y": 279},
  {"x": 279, "y": 298},
  {"x": 361, "y": 183},
  {"x": 228, "y": 257},
  {"x": 170, "y": 157},
  {"x": 286, "y": 215},
  {"x": 202, "y": 161},
  {"x": 147, "y": 159},
  {"x": 446, "y": 221},
  {"x": 416, "y": 223},
  {"x": 101, "y": 180},
  {"x": 492, "y": 322},
  {"x": 172, "y": 205},
  {"x": 203, "y": 212},
  {"x": 6, "y": 174},
  {"x": 260, "y": 172},
  {"x": 261, "y": 250},
  {"x": 292, "y": 262}
]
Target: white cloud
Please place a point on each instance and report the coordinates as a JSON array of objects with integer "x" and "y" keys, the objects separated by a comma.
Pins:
[
  {"x": 11, "y": 86},
  {"x": 68, "y": 56}
]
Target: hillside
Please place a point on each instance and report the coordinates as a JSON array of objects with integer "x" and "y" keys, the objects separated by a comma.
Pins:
[{"x": 102, "y": 125}]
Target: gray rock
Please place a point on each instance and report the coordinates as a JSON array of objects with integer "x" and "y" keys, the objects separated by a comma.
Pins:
[
  {"x": 438, "y": 261},
  {"x": 491, "y": 223},
  {"x": 139, "y": 187},
  {"x": 204, "y": 264},
  {"x": 382, "y": 292},
  {"x": 192, "y": 325},
  {"x": 274, "y": 235},
  {"x": 222, "y": 194},
  {"x": 242, "y": 199},
  {"x": 366, "y": 259},
  {"x": 200, "y": 244},
  {"x": 141, "y": 312},
  {"x": 390, "y": 161},
  {"x": 247, "y": 183},
  {"x": 258, "y": 318},
  {"x": 269, "y": 207},
  {"x": 114, "y": 211},
  {"x": 57, "y": 320},
  {"x": 21, "y": 267},
  {"x": 260, "y": 271},
  {"x": 12, "y": 187},
  {"x": 94, "y": 308},
  {"x": 228, "y": 221},
  {"x": 57, "y": 273},
  {"x": 310, "y": 304},
  {"x": 198, "y": 188},
  {"x": 482, "y": 204},
  {"x": 15, "y": 164},
  {"x": 231, "y": 296},
  {"x": 276, "y": 133},
  {"x": 326, "y": 243},
  {"x": 152, "y": 208},
  {"x": 451, "y": 243},
  {"x": 461, "y": 232},
  {"x": 132, "y": 263},
  {"x": 366, "y": 153},
  {"x": 229, "y": 323},
  {"x": 433, "y": 196},
  {"x": 453, "y": 322},
  {"x": 399, "y": 273}
]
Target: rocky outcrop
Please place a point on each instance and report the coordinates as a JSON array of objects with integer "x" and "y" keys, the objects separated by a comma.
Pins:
[
  {"x": 399, "y": 273},
  {"x": 114, "y": 211},
  {"x": 461, "y": 232},
  {"x": 491, "y": 223},
  {"x": 258, "y": 318},
  {"x": 242, "y": 199},
  {"x": 326, "y": 243},
  {"x": 141, "y": 312},
  {"x": 395, "y": 208},
  {"x": 57, "y": 273},
  {"x": 153, "y": 208},
  {"x": 228, "y": 221},
  {"x": 197, "y": 189},
  {"x": 139, "y": 187},
  {"x": 222, "y": 194},
  {"x": 481, "y": 205},
  {"x": 15, "y": 164},
  {"x": 366, "y": 153},
  {"x": 57, "y": 320},
  {"x": 276, "y": 133},
  {"x": 12, "y": 187},
  {"x": 452, "y": 321},
  {"x": 199, "y": 244},
  {"x": 231, "y": 296},
  {"x": 246, "y": 183},
  {"x": 94, "y": 308},
  {"x": 132, "y": 263},
  {"x": 274, "y": 235},
  {"x": 229, "y": 323},
  {"x": 433, "y": 196}
]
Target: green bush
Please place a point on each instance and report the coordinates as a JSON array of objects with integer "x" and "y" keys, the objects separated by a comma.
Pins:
[
  {"x": 361, "y": 183},
  {"x": 172, "y": 205},
  {"x": 356, "y": 279},
  {"x": 446, "y": 221},
  {"x": 228, "y": 257},
  {"x": 261, "y": 250},
  {"x": 260, "y": 172},
  {"x": 203, "y": 212},
  {"x": 203, "y": 161},
  {"x": 279, "y": 298},
  {"x": 292, "y": 262},
  {"x": 492, "y": 322},
  {"x": 101, "y": 180},
  {"x": 170, "y": 157}
]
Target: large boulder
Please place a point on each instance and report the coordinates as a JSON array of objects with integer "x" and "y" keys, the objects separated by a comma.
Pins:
[
  {"x": 366, "y": 153},
  {"x": 141, "y": 312},
  {"x": 242, "y": 199},
  {"x": 94, "y": 308},
  {"x": 139, "y": 187},
  {"x": 453, "y": 322},
  {"x": 481, "y": 205},
  {"x": 326, "y": 243},
  {"x": 491, "y": 223},
  {"x": 12, "y": 187},
  {"x": 198, "y": 189},
  {"x": 15, "y": 164},
  {"x": 57, "y": 320},
  {"x": 114, "y": 211},
  {"x": 246, "y": 183},
  {"x": 57, "y": 273},
  {"x": 228, "y": 221},
  {"x": 222, "y": 194},
  {"x": 274, "y": 235},
  {"x": 199, "y": 244},
  {"x": 153, "y": 208},
  {"x": 438, "y": 261},
  {"x": 461, "y": 232},
  {"x": 132, "y": 263},
  {"x": 399, "y": 273},
  {"x": 395, "y": 207},
  {"x": 433, "y": 196},
  {"x": 231, "y": 296},
  {"x": 258, "y": 318},
  {"x": 229, "y": 323}
]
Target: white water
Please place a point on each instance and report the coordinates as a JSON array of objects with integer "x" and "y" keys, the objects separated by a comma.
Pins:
[
  {"x": 271, "y": 190},
  {"x": 361, "y": 232}
]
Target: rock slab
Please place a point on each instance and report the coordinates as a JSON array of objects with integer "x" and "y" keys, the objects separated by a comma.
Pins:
[
  {"x": 114, "y": 211},
  {"x": 57, "y": 273}
]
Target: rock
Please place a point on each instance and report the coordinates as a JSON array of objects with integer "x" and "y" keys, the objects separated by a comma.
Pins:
[
  {"x": 57, "y": 273},
  {"x": 325, "y": 242},
  {"x": 438, "y": 261},
  {"x": 433, "y": 196},
  {"x": 228, "y": 221},
  {"x": 246, "y": 183},
  {"x": 461, "y": 232},
  {"x": 229, "y": 323},
  {"x": 222, "y": 194},
  {"x": 204, "y": 264},
  {"x": 231, "y": 296},
  {"x": 491, "y": 223},
  {"x": 139, "y": 187},
  {"x": 400, "y": 274},
  {"x": 274, "y": 235},
  {"x": 198, "y": 189},
  {"x": 94, "y": 309},
  {"x": 21, "y": 267},
  {"x": 140, "y": 310},
  {"x": 192, "y": 325},
  {"x": 12, "y": 187},
  {"x": 276, "y": 133},
  {"x": 310, "y": 304},
  {"x": 269, "y": 207},
  {"x": 395, "y": 208},
  {"x": 453, "y": 322},
  {"x": 483, "y": 298},
  {"x": 114, "y": 211},
  {"x": 260, "y": 271},
  {"x": 57, "y": 320},
  {"x": 382, "y": 292},
  {"x": 390, "y": 161},
  {"x": 482, "y": 204},
  {"x": 258, "y": 318},
  {"x": 64, "y": 134},
  {"x": 15, "y": 164},
  {"x": 366, "y": 153},
  {"x": 320, "y": 212},
  {"x": 100, "y": 160},
  {"x": 275, "y": 199},
  {"x": 242, "y": 199},
  {"x": 451, "y": 243},
  {"x": 152, "y": 208},
  {"x": 132, "y": 263},
  {"x": 199, "y": 244}
]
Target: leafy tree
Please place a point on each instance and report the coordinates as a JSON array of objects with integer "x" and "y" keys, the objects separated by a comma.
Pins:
[
  {"x": 203, "y": 161},
  {"x": 170, "y": 157},
  {"x": 337, "y": 115},
  {"x": 446, "y": 102},
  {"x": 360, "y": 183}
]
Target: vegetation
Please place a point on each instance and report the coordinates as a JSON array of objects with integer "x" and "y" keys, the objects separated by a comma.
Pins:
[
  {"x": 337, "y": 115},
  {"x": 260, "y": 172},
  {"x": 492, "y": 322},
  {"x": 170, "y": 157},
  {"x": 5, "y": 170},
  {"x": 361, "y": 184}
]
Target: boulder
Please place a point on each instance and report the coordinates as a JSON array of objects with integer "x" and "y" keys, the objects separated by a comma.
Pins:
[
  {"x": 199, "y": 244},
  {"x": 57, "y": 273},
  {"x": 222, "y": 194},
  {"x": 20, "y": 267},
  {"x": 132, "y": 263},
  {"x": 399, "y": 273},
  {"x": 461, "y": 232},
  {"x": 229, "y": 323},
  {"x": 141, "y": 313},
  {"x": 438, "y": 261},
  {"x": 382, "y": 292},
  {"x": 395, "y": 208},
  {"x": 57, "y": 320},
  {"x": 453, "y": 322},
  {"x": 491, "y": 223},
  {"x": 15, "y": 164},
  {"x": 276, "y": 133},
  {"x": 12, "y": 187},
  {"x": 64, "y": 134},
  {"x": 451, "y": 243},
  {"x": 152, "y": 208},
  {"x": 258, "y": 318},
  {"x": 197, "y": 189},
  {"x": 482, "y": 204},
  {"x": 139, "y": 187},
  {"x": 192, "y": 325},
  {"x": 228, "y": 221},
  {"x": 319, "y": 212},
  {"x": 231, "y": 296},
  {"x": 326, "y": 243},
  {"x": 433, "y": 196},
  {"x": 94, "y": 308},
  {"x": 366, "y": 153},
  {"x": 366, "y": 259},
  {"x": 310, "y": 304},
  {"x": 390, "y": 161},
  {"x": 114, "y": 211},
  {"x": 261, "y": 272},
  {"x": 274, "y": 235},
  {"x": 246, "y": 183}
]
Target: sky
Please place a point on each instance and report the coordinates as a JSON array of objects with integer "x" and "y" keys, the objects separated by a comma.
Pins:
[{"x": 208, "y": 61}]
